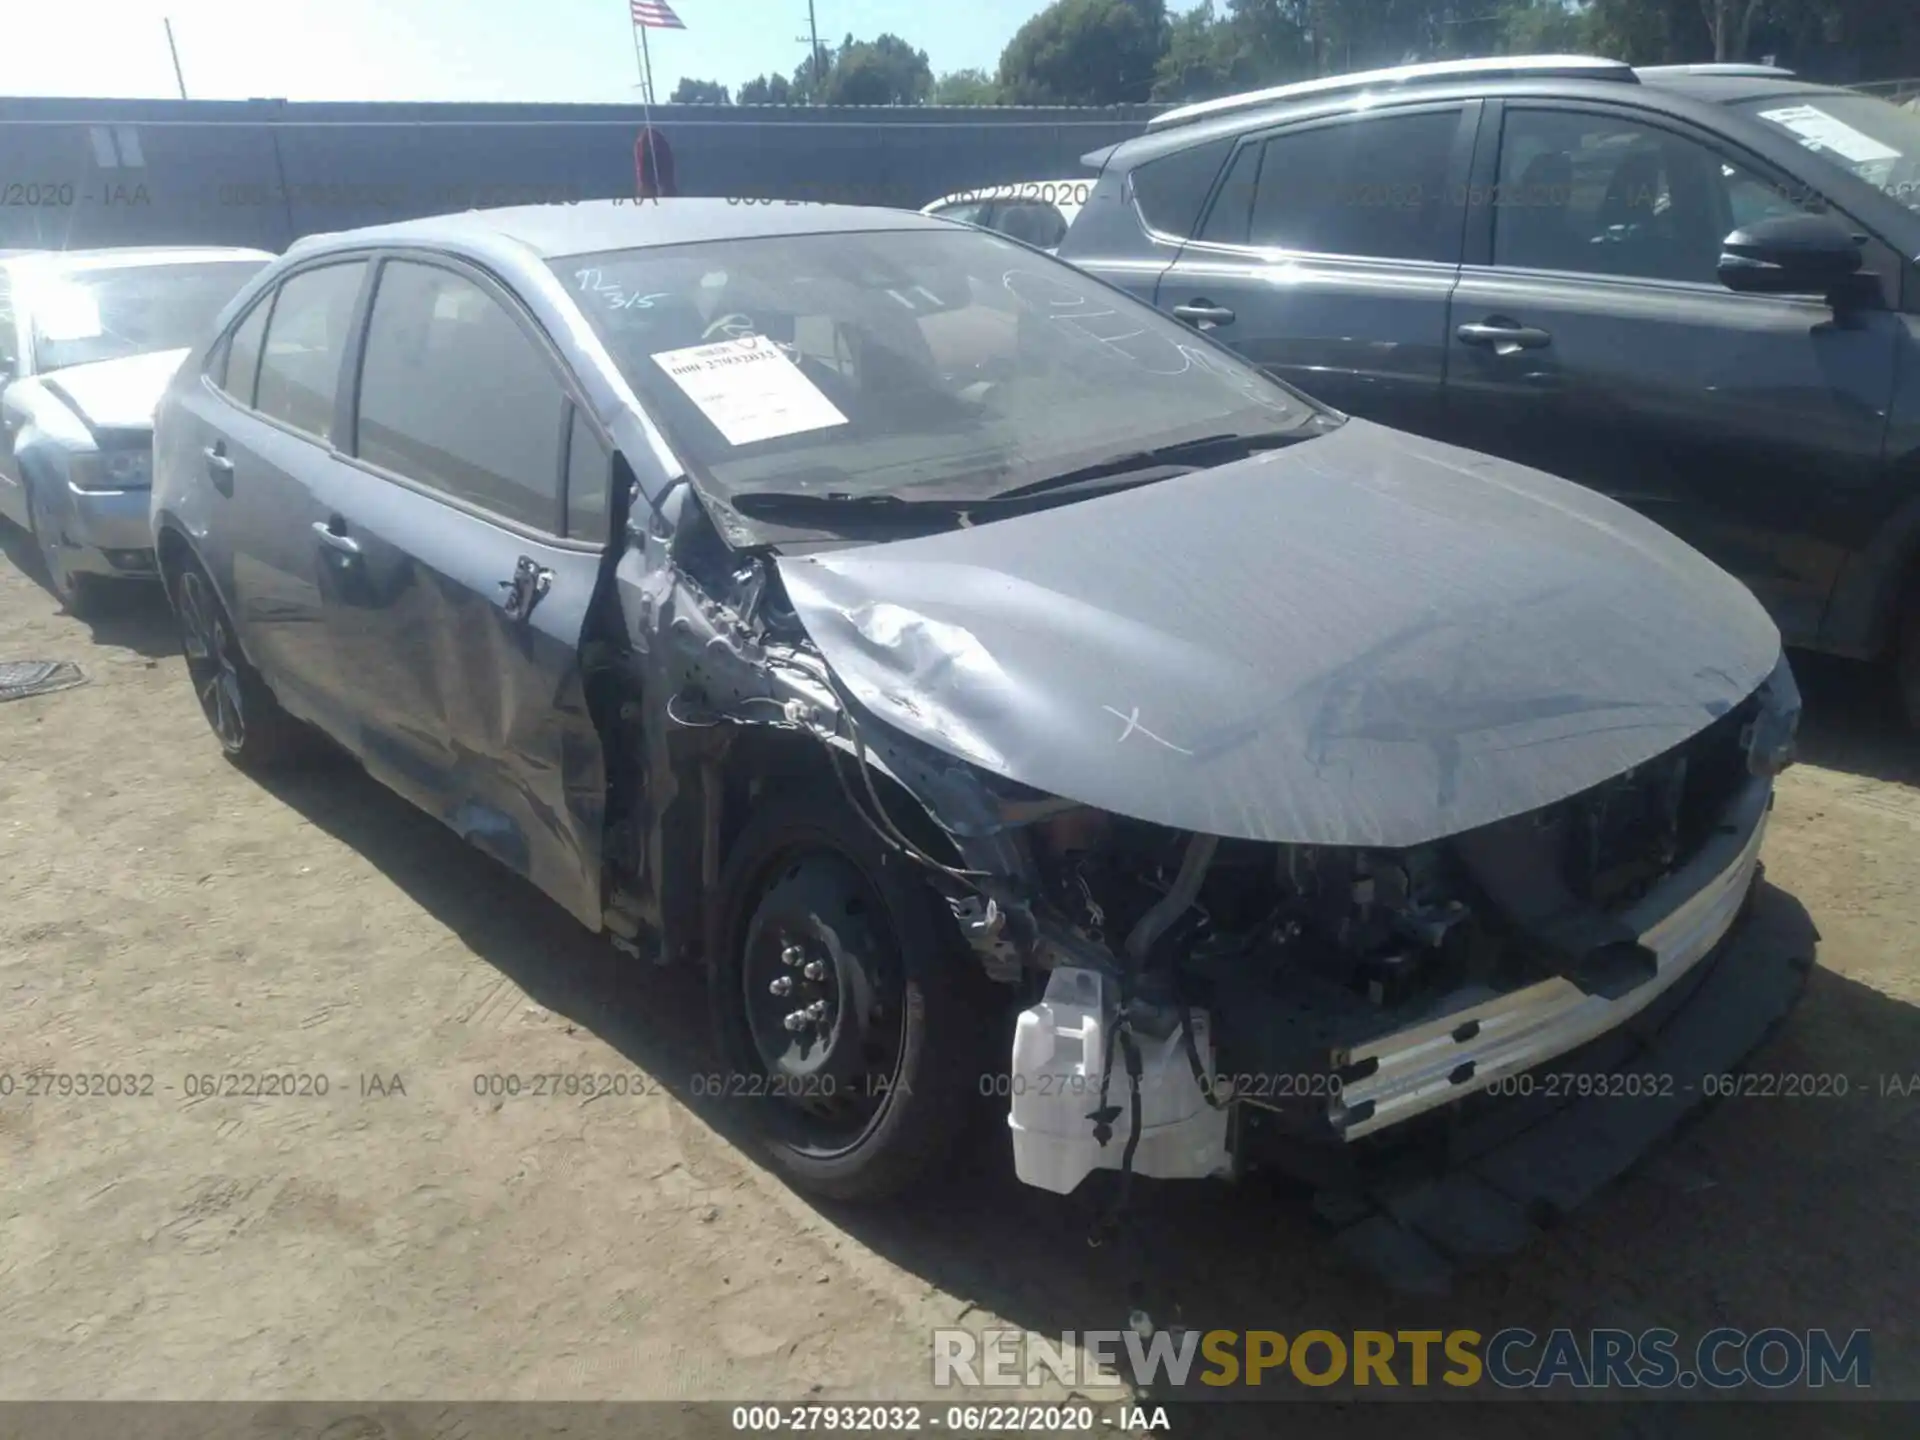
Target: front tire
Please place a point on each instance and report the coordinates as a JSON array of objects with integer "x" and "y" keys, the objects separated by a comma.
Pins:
[
  {"x": 78, "y": 593},
  {"x": 253, "y": 731},
  {"x": 866, "y": 1093}
]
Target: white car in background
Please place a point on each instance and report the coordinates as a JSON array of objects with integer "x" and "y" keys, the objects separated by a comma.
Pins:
[{"x": 1034, "y": 212}]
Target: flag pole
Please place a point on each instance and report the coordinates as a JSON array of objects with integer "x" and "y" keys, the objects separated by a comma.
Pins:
[
  {"x": 645, "y": 57},
  {"x": 174, "y": 50}
]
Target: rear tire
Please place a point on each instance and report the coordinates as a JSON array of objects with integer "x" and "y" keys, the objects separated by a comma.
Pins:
[
  {"x": 871, "y": 1100},
  {"x": 253, "y": 731}
]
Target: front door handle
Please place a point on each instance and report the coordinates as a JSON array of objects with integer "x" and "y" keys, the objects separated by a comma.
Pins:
[
  {"x": 1505, "y": 339},
  {"x": 1203, "y": 314},
  {"x": 333, "y": 534},
  {"x": 219, "y": 467},
  {"x": 530, "y": 582}
]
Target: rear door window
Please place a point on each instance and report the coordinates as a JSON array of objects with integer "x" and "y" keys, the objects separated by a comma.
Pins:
[
  {"x": 1376, "y": 187},
  {"x": 1232, "y": 211},
  {"x": 305, "y": 340},
  {"x": 456, "y": 395},
  {"x": 241, "y": 359}
]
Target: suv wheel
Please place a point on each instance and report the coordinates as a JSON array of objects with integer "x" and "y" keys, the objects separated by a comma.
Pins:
[{"x": 252, "y": 728}]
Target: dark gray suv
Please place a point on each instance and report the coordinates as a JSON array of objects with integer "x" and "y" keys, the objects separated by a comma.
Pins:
[{"x": 1694, "y": 289}]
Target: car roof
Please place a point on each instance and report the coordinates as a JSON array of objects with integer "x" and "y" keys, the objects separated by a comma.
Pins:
[
  {"x": 1729, "y": 86},
  {"x": 552, "y": 232},
  {"x": 1714, "y": 85},
  {"x": 1399, "y": 77},
  {"x": 124, "y": 256}
]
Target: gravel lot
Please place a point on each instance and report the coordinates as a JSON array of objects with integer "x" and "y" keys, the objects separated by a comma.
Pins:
[{"x": 162, "y": 914}]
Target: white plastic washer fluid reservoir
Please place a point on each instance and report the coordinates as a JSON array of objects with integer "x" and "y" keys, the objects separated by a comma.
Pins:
[{"x": 1059, "y": 1056}]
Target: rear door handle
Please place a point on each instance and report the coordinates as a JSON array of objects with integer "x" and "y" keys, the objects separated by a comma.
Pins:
[
  {"x": 219, "y": 467},
  {"x": 1199, "y": 312},
  {"x": 1504, "y": 339},
  {"x": 333, "y": 534}
]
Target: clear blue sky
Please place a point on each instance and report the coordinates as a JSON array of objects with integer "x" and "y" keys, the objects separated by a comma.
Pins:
[{"x": 579, "y": 50}]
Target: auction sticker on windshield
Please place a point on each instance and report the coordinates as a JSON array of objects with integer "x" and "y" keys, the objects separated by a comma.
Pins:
[
  {"x": 1816, "y": 127},
  {"x": 749, "y": 389}
]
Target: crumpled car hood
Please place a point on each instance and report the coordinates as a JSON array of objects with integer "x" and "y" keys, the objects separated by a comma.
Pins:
[
  {"x": 116, "y": 394},
  {"x": 1365, "y": 639}
]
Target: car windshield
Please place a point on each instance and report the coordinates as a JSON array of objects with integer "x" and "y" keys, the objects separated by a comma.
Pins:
[
  {"x": 110, "y": 312},
  {"x": 1879, "y": 143},
  {"x": 951, "y": 364}
]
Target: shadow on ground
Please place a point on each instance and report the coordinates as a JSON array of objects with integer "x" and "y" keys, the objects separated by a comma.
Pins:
[
  {"x": 1852, "y": 720},
  {"x": 1768, "y": 1210},
  {"x": 128, "y": 616}
]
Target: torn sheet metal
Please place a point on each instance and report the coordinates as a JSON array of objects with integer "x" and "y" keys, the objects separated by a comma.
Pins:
[{"x": 1365, "y": 639}]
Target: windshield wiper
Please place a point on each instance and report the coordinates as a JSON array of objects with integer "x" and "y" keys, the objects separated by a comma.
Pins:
[
  {"x": 1177, "y": 458},
  {"x": 1139, "y": 467}
]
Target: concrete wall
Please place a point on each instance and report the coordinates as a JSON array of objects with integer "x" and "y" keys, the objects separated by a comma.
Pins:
[{"x": 79, "y": 173}]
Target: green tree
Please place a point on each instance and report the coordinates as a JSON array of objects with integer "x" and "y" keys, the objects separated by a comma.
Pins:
[
  {"x": 700, "y": 92},
  {"x": 1546, "y": 27},
  {"x": 883, "y": 71},
  {"x": 767, "y": 90},
  {"x": 1086, "y": 52},
  {"x": 1255, "y": 43},
  {"x": 966, "y": 87}
]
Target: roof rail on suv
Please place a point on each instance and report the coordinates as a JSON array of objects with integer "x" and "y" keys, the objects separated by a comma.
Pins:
[
  {"x": 1573, "y": 67},
  {"x": 1722, "y": 68}
]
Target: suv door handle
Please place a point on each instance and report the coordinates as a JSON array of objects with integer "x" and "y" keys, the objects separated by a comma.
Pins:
[
  {"x": 1204, "y": 313},
  {"x": 219, "y": 467},
  {"x": 524, "y": 591},
  {"x": 333, "y": 535},
  {"x": 1504, "y": 338}
]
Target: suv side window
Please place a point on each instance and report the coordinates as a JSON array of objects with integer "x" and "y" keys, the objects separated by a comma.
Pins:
[
  {"x": 1227, "y": 222},
  {"x": 1171, "y": 190},
  {"x": 242, "y": 356},
  {"x": 455, "y": 394},
  {"x": 306, "y": 337},
  {"x": 1373, "y": 187},
  {"x": 1602, "y": 194}
]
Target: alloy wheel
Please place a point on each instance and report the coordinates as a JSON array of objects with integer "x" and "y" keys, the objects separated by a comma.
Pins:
[{"x": 212, "y": 661}]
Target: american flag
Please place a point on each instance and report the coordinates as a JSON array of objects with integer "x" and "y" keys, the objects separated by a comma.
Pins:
[{"x": 655, "y": 15}]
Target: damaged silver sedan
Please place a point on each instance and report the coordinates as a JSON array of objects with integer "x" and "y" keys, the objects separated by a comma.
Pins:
[{"x": 1002, "y": 689}]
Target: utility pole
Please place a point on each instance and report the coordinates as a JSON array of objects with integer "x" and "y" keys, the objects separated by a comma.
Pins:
[{"x": 812, "y": 39}]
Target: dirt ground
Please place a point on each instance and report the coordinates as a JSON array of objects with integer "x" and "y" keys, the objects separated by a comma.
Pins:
[{"x": 162, "y": 914}]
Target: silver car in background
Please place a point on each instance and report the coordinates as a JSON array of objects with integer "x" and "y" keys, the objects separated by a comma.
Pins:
[
  {"x": 1034, "y": 212},
  {"x": 88, "y": 341}
]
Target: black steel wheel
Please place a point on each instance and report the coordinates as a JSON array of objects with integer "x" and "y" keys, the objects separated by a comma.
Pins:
[
  {"x": 847, "y": 1013},
  {"x": 240, "y": 710}
]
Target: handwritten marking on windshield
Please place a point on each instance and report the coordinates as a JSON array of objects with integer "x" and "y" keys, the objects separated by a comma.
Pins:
[{"x": 1133, "y": 723}]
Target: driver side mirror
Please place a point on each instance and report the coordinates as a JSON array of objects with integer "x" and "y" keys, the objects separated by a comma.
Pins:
[{"x": 1796, "y": 255}]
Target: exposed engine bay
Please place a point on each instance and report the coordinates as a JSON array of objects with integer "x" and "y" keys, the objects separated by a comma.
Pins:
[{"x": 1175, "y": 983}]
